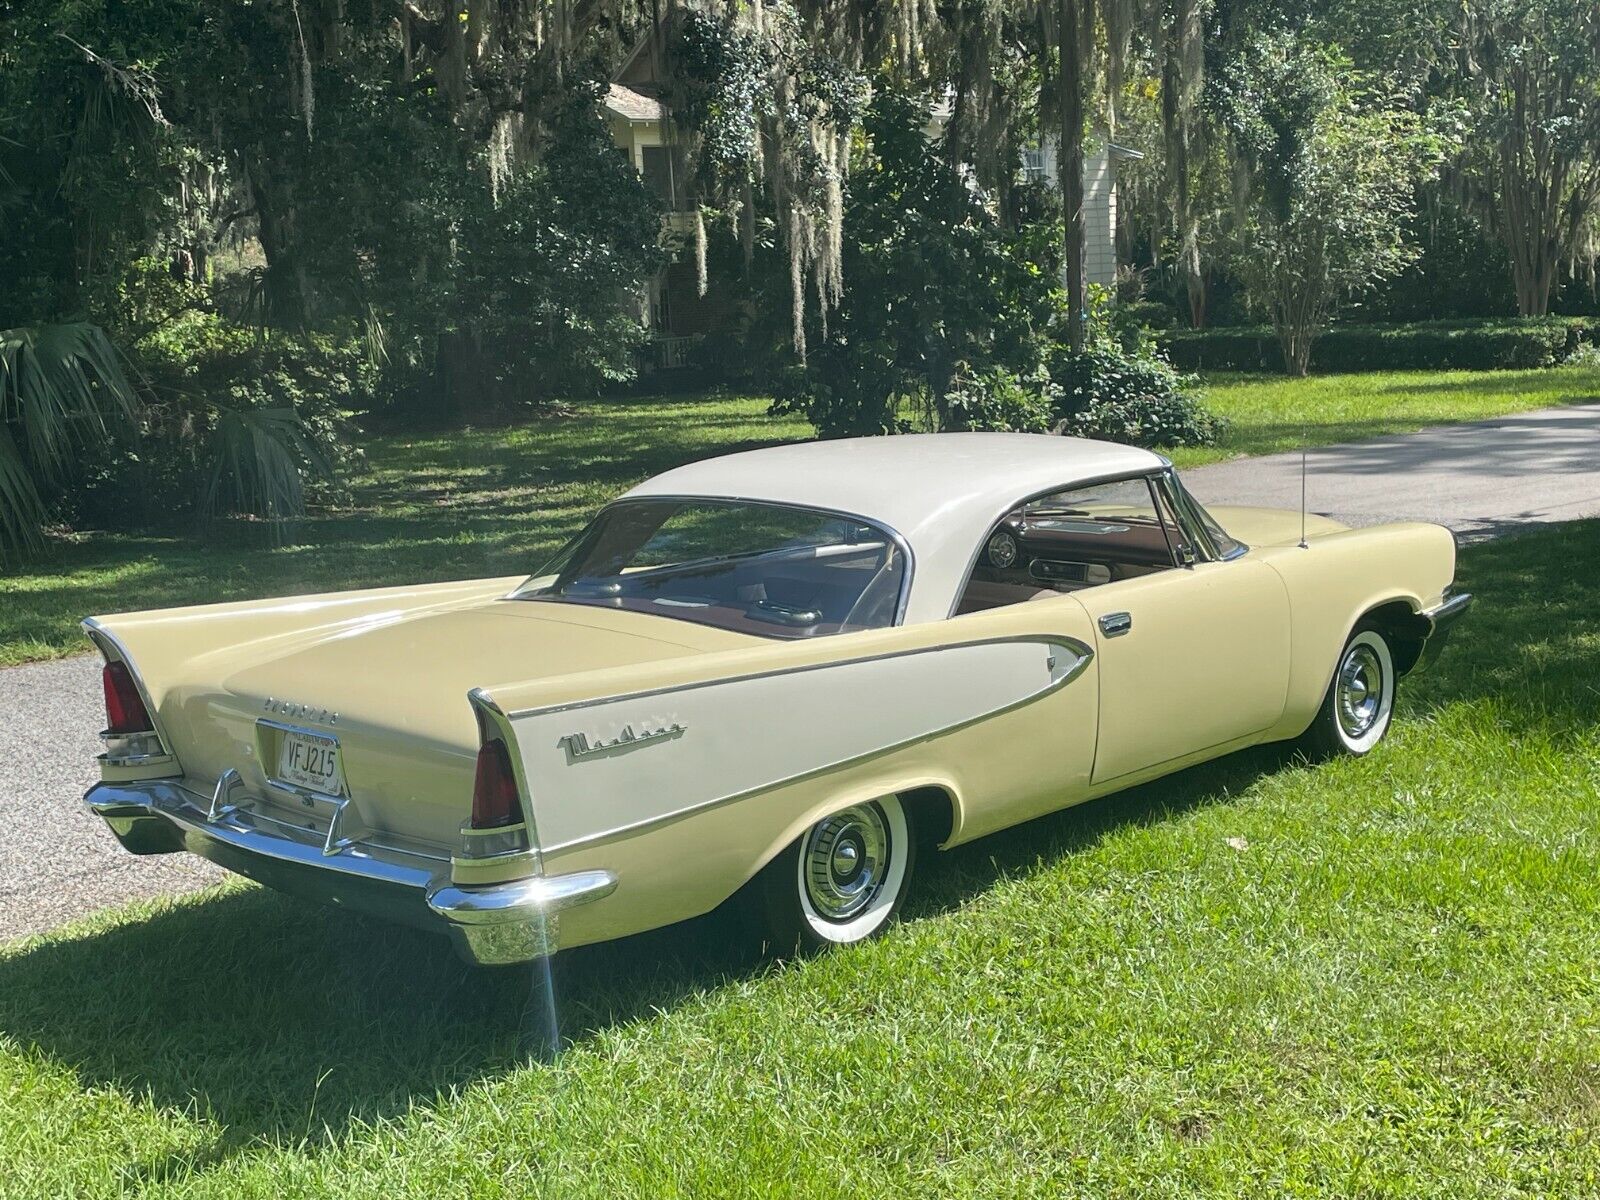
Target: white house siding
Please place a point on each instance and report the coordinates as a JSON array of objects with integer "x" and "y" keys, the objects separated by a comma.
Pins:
[
  {"x": 1099, "y": 219},
  {"x": 1099, "y": 203}
]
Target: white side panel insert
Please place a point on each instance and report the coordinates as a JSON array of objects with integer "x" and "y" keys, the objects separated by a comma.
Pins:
[{"x": 603, "y": 767}]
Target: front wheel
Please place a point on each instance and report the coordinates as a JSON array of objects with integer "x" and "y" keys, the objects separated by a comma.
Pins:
[
  {"x": 1356, "y": 712},
  {"x": 842, "y": 881}
]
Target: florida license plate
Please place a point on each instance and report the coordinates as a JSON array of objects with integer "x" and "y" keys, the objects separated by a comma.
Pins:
[{"x": 309, "y": 761}]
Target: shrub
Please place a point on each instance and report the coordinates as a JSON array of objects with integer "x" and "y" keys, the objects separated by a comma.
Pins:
[
  {"x": 1129, "y": 395},
  {"x": 234, "y": 421},
  {"x": 1435, "y": 345},
  {"x": 932, "y": 280},
  {"x": 998, "y": 400}
]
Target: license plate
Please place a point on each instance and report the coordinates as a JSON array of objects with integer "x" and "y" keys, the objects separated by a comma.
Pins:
[{"x": 309, "y": 761}]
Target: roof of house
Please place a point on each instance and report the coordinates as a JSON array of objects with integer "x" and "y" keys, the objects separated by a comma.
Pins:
[
  {"x": 633, "y": 105},
  {"x": 942, "y": 492}
]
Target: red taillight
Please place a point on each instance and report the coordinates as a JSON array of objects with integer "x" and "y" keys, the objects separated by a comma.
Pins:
[
  {"x": 125, "y": 710},
  {"x": 494, "y": 790}
]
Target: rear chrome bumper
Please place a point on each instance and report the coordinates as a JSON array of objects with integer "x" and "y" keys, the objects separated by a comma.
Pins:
[
  {"x": 490, "y": 925},
  {"x": 1440, "y": 621}
]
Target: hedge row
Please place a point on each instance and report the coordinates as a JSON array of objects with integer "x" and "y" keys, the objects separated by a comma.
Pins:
[{"x": 1431, "y": 345}]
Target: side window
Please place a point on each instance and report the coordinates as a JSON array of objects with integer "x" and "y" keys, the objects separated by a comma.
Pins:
[
  {"x": 1224, "y": 545},
  {"x": 1073, "y": 539}
]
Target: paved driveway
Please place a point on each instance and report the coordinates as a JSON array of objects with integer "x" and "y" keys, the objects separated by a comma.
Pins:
[
  {"x": 57, "y": 863},
  {"x": 1481, "y": 480}
]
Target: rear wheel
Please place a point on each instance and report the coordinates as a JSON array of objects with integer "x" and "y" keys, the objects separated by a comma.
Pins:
[
  {"x": 1359, "y": 705},
  {"x": 842, "y": 881}
]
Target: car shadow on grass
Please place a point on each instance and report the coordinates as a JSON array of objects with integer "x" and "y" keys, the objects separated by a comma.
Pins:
[{"x": 281, "y": 1022}]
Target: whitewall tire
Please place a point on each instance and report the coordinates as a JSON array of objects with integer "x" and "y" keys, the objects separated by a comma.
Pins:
[
  {"x": 843, "y": 881},
  {"x": 1359, "y": 705}
]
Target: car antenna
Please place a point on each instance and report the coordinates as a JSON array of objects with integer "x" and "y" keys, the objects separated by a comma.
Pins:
[{"x": 1304, "y": 545}]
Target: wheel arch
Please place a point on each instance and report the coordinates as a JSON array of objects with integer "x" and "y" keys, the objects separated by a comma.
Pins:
[
  {"x": 1402, "y": 625},
  {"x": 932, "y": 804}
]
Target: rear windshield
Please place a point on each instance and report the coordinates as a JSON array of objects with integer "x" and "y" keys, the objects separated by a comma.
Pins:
[{"x": 764, "y": 569}]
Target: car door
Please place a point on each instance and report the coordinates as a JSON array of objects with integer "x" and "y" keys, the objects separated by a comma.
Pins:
[{"x": 1189, "y": 658}]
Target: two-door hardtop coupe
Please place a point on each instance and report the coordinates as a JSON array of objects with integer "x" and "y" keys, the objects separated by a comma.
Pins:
[{"x": 769, "y": 675}]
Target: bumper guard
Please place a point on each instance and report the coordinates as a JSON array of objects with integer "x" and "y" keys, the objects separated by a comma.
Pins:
[{"x": 1440, "y": 621}]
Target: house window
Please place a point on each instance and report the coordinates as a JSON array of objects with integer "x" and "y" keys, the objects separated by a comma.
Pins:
[{"x": 657, "y": 171}]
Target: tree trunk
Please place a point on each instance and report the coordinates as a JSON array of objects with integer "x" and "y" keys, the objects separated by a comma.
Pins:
[
  {"x": 1530, "y": 224},
  {"x": 463, "y": 374},
  {"x": 288, "y": 284},
  {"x": 1176, "y": 126},
  {"x": 1074, "y": 25}
]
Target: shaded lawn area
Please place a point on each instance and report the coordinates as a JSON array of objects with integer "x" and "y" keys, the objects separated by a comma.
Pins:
[
  {"x": 449, "y": 505},
  {"x": 498, "y": 501},
  {"x": 1257, "y": 978}
]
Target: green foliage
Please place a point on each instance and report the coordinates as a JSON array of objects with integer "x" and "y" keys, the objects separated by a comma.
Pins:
[
  {"x": 1436, "y": 345},
  {"x": 1533, "y": 102},
  {"x": 998, "y": 400},
  {"x": 544, "y": 284},
  {"x": 934, "y": 285},
  {"x": 63, "y": 394},
  {"x": 489, "y": 295},
  {"x": 231, "y": 421},
  {"x": 1334, "y": 168},
  {"x": 722, "y": 87},
  {"x": 1129, "y": 393},
  {"x": 1459, "y": 272}
]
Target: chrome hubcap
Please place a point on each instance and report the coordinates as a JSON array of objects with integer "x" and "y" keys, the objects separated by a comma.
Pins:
[
  {"x": 846, "y": 858},
  {"x": 1360, "y": 691}
]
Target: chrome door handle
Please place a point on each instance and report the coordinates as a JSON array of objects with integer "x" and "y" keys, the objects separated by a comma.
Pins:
[{"x": 1116, "y": 624}]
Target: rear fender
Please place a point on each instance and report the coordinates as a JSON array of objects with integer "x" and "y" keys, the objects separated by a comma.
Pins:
[{"x": 685, "y": 790}]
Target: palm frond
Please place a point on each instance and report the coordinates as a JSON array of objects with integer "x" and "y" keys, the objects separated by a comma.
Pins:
[
  {"x": 259, "y": 459},
  {"x": 62, "y": 391},
  {"x": 22, "y": 508}
]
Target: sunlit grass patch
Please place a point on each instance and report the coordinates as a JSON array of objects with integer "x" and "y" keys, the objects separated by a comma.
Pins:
[{"x": 1375, "y": 977}]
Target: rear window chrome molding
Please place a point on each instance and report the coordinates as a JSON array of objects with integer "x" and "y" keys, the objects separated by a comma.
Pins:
[{"x": 895, "y": 536}]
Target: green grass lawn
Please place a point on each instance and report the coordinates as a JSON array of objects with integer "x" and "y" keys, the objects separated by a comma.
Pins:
[
  {"x": 497, "y": 501},
  {"x": 1258, "y": 978},
  {"x": 1270, "y": 413}
]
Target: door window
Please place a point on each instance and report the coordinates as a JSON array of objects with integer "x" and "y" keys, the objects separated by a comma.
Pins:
[{"x": 1076, "y": 538}]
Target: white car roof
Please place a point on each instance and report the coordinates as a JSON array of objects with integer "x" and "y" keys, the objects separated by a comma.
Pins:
[{"x": 941, "y": 492}]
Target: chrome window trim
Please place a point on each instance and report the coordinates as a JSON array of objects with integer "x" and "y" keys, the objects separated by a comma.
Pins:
[
  {"x": 1163, "y": 506},
  {"x": 1191, "y": 530},
  {"x": 894, "y": 534},
  {"x": 1146, "y": 473},
  {"x": 1190, "y": 509}
]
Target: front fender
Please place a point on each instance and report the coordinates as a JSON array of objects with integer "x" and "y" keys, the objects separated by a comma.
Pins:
[{"x": 1339, "y": 579}]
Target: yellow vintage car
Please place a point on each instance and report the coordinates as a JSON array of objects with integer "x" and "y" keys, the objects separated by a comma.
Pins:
[{"x": 770, "y": 676}]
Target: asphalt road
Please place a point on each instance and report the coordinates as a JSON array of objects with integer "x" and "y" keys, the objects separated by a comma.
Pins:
[
  {"x": 1482, "y": 479},
  {"x": 1485, "y": 479},
  {"x": 56, "y": 861}
]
